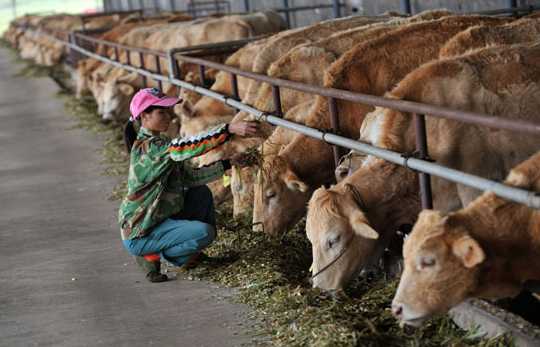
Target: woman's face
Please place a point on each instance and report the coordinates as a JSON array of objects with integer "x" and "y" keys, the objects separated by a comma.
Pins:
[{"x": 157, "y": 120}]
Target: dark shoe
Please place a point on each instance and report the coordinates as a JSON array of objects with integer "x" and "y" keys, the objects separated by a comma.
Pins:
[
  {"x": 156, "y": 277},
  {"x": 152, "y": 270}
]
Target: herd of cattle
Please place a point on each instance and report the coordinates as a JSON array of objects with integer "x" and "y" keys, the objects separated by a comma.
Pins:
[{"x": 474, "y": 245}]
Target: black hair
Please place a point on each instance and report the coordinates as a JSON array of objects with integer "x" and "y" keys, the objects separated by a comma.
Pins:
[{"x": 130, "y": 134}]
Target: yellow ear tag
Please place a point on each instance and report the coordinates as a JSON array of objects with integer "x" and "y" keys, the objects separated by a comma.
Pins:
[{"x": 226, "y": 180}]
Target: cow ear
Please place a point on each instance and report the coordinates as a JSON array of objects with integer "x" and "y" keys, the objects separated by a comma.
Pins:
[
  {"x": 430, "y": 217},
  {"x": 360, "y": 226},
  {"x": 468, "y": 251},
  {"x": 294, "y": 183},
  {"x": 126, "y": 89},
  {"x": 185, "y": 109}
]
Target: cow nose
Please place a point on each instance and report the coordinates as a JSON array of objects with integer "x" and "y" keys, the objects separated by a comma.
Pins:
[{"x": 397, "y": 310}]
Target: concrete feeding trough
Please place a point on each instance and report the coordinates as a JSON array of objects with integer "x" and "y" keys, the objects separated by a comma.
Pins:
[{"x": 490, "y": 321}]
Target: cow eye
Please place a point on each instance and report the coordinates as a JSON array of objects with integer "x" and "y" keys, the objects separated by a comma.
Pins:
[
  {"x": 426, "y": 262},
  {"x": 270, "y": 194},
  {"x": 332, "y": 241}
]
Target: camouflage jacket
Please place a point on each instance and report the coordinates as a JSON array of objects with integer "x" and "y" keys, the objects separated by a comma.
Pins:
[{"x": 159, "y": 172}]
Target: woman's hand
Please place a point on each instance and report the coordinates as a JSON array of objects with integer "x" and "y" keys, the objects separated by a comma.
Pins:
[{"x": 244, "y": 128}]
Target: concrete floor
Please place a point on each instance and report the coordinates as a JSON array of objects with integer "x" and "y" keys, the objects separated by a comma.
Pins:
[{"x": 65, "y": 279}]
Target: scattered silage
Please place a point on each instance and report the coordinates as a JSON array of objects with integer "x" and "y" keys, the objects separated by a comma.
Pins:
[{"x": 271, "y": 276}]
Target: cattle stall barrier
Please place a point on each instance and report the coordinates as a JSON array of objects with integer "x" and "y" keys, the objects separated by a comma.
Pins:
[{"x": 418, "y": 161}]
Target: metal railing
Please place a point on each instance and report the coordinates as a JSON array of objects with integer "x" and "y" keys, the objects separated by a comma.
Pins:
[
  {"x": 421, "y": 163},
  {"x": 208, "y": 7}
]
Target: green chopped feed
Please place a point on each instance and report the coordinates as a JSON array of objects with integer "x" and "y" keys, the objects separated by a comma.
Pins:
[{"x": 271, "y": 274}]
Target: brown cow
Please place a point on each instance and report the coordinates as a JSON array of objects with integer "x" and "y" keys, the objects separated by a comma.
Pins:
[
  {"x": 488, "y": 249},
  {"x": 502, "y": 81},
  {"x": 520, "y": 31},
  {"x": 373, "y": 67}
]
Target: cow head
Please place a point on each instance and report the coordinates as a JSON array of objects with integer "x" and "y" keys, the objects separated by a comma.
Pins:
[
  {"x": 442, "y": 263},
  {"x": 117, "y": 94},
  {"x": 341, "y": 239},
  {"x": 280, "y": 197}
]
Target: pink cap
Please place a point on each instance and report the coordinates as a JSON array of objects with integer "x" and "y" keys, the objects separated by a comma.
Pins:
[{"x": 147, "y": 97}]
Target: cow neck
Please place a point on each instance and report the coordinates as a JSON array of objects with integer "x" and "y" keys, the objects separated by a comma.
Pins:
[
  {"x": 504, "y": 233},
  {"x": 310, "y": 160},
  {"x": 388, "y": 194}
]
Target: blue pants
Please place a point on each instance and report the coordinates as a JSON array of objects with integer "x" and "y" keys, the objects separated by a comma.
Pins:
[{"x": 179, "y": 237}]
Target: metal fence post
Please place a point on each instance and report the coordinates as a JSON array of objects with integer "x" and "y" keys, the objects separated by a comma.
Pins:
[
  {"x": 336, "y": 8},
  {"x": 277, "y": 101},
  {"x": 246, "y": 5},
  {"x": 234, "y": 85},
  {"x": 513, "y": 4},
  {"x": 158, "y": 70},
  {"x": 334, "y": 123},
  {"x": 287, "y": 13},
  {"x": 128, "y": 57},
  {"x": 421, "y": 147},
  {"x": 141, "y": 57},
  {"x": 202, "y": 70},
  {"x": 174, "y": 71},
  {"x": 405, "y": 6}
]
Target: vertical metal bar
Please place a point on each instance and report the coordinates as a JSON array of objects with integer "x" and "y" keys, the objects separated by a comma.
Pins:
[
  {"x": 422, "y": 148},
  {"x": 513, "y": 4},
  {"x": 287, "y": 13},
  {"x": 336, "y": 8},
  {"x": 234, "y": 86},
  {"x": 116, "y": 54},
  {"x": 201, "y": 75},
  {"x": 277, "y": 101},
  {"x": 174, "y": 69},
  {"x": 71, "y": 54},
  {"x": 128, "y": 57},
  {"x": 405, "y": 6},
  {"x": 158, "y": 71},
  {"x": 246, "y": 5},
  {"x": 141, "y": 57},
  {"x": 334, "y": 123}
]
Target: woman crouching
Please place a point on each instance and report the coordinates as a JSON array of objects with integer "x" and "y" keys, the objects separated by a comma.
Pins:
[{"x": 168, "y": 211}]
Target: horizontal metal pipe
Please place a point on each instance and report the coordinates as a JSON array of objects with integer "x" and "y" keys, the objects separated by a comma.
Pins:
[
  {"x": 401, "y": 105},
  {"x": 529, "y": 8}
]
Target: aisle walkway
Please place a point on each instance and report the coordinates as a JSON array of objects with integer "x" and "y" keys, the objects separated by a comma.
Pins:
[{"x": 65, "y": 279}]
